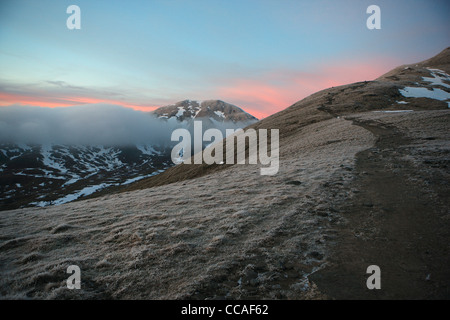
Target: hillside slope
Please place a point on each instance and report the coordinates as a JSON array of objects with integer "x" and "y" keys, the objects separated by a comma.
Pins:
[
  {"x": 382, "y": 94},
  {"x": 363, "y": 180}
]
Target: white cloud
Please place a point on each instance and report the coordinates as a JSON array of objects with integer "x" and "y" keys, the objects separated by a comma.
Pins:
[{"x": 94, "y": 124}]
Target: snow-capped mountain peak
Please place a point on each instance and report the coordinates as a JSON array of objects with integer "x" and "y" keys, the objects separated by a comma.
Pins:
[{"x": 212, "y": 109}]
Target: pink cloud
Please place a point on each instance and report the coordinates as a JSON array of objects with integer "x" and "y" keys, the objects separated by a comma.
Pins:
[
  {"x": 7, "y": 99},
  {"x": 272, "y": 92},
  {"x": 279, "y": 89}
]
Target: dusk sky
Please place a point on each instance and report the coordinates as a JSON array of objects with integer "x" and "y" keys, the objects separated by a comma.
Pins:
[{"x": 260, "y": 55}]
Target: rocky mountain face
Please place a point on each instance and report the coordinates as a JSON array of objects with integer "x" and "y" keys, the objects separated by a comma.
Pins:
[
  {"x": 363, "y": 180},
  {"x": 42, "y": 175}
]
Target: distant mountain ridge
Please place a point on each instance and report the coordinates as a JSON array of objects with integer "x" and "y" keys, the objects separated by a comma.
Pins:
[{"x": 41, "y": 175}]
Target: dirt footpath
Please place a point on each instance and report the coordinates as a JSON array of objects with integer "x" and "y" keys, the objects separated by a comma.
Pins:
[{"x": 398, "y": 216}]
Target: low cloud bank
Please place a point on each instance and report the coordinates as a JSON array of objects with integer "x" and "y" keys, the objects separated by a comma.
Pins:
[{"x": 94, "y": 124}]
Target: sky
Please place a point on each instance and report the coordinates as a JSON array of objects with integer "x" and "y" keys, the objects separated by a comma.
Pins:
[{"x": 261, "y": 55}]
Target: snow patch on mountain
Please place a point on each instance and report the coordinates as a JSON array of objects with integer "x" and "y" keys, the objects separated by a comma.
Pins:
[
  {"x": 393, "y": 111},
  {"x": 180, "y": 112},
  {"x": 48, "y": 161},
  {"x": 220, "y": 114},
  {"x": 438, "y": 78},
  {"x": 420, "y": 92},
  {"x": 147, "y": 150}
]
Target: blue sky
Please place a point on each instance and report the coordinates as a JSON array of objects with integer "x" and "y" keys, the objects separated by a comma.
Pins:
[{"x": 260, "y": 55}]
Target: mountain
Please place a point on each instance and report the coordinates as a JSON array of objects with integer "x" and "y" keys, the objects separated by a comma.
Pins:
[
  {"x": 216, "y": 110},
  {"x": 42, "y": 175},
  {"x": 363, "y": 180},
  {"x": 47, "y": 174}
]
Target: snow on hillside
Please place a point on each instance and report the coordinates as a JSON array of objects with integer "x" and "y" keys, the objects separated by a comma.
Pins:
[
  {"x": 418, "y": 92},
  {"x": 438, "y": 79},
  {"x": 51, "y": 174}
]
